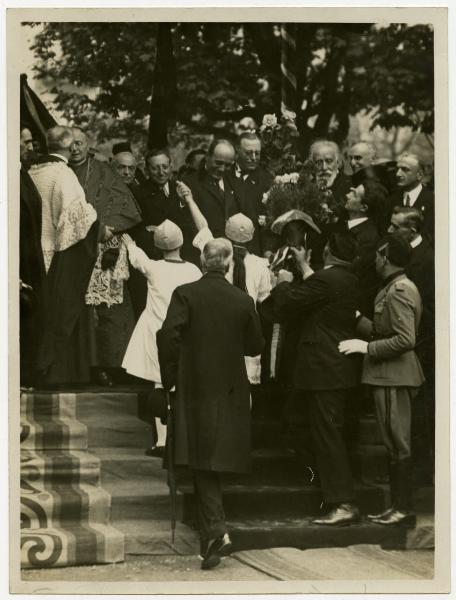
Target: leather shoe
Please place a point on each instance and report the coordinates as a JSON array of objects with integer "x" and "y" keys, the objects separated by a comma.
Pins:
[
  {"x": 381, "y": 515},
  {"x": 157, "y": 451},
  {"x": 397, "y": 517},
  {"x": 343, "y": 514},
  {"x": 216, "y": 548}
]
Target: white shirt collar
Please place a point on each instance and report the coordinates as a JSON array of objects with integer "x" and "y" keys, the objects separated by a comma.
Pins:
[
  {"x": 59, "y": 156},
  {"x": 354, "y": 222},
  {"x": 239, "y": 173},
  {"x": 413, "y": 194},
  {"x": 416, "y": 242}
]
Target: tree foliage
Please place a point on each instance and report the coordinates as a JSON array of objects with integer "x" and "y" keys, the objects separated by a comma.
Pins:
[{"x": 227, "y": 69}]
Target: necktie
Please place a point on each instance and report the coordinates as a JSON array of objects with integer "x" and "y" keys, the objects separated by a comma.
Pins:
[{"x": 407, "y": 201}]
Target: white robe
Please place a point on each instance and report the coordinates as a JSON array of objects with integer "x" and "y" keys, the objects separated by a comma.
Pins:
[{"x": 163, "y": 277}]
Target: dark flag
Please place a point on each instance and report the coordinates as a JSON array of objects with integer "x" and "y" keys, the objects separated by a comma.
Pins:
[
  {"x": 34, "y": 115},
  {"x": 164, "y": 91}
]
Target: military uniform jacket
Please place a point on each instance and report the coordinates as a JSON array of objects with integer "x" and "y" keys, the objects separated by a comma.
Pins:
[{"x": 391, "y": 359}]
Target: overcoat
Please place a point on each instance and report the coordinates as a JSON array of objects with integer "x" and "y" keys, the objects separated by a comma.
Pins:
[
  {"x": 209, "y": 328},
  {"x": 391, "y": 358}
]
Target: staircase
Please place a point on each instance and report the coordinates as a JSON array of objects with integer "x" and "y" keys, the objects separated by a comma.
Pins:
[
  {"x": 275, "y": 504},
  {"x": 65, "y": 513},
  {"x": 90, "y": 495}
]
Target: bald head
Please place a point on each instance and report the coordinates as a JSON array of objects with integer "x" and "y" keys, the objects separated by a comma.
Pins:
[
  {"x": 361, "y": 155},
  {"x": 80, "y": 147},
  {"x": 59, "y": 140},
  {"x": 220, "y": 158}
]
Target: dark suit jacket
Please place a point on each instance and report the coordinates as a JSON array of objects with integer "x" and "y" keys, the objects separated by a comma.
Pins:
[
  {"x": 156, "y": 207},
  {"x": 425, "y": 203},
  {"x": 324, "y": 307},
  {"x": 421, "y": 271},
  {"x": 216, "y": 206},
  {"x": 209, "y": 328},
  {"x": 367, "y": 236},
  {"x": 250, "y": 191},
  {"x": 338, "y": 191}
]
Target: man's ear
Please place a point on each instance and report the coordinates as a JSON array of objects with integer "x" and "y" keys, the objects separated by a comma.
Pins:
[{"x": 364, "y": 208}]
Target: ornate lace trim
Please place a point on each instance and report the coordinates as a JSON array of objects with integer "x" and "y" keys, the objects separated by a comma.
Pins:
[
  {"x": 74, "y": 224},
  {"x": 106, "y": 287}
]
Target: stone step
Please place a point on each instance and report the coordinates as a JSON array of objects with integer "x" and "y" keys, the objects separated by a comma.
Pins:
[
  {"x": 271, "y": 432},
  {"x": 300, "y": 533},
  {"x": 267, "y": 464},
  {"x": 153, "y": 537},
  {"x": 369, "y": 462},
  {"x": 139, "y": 497},
  {"x": 112, "y": 420},
  {"x": 244, "y": 501},
  {"x": 59, "y": 467}
]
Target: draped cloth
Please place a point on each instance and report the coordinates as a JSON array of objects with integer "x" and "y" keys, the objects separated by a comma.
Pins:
[
  {"x": 65, "y": 354},
  {"x": 66, "y": 216}
]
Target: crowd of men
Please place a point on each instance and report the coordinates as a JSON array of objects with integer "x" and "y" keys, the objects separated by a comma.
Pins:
[{"x": 355, "y": 308}]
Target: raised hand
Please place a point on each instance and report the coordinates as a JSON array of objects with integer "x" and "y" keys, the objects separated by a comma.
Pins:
[
  {"x": 183, "y": 191},
  {"x": 126, "y": 239}
]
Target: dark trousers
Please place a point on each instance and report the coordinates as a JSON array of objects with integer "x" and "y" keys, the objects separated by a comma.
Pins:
[
  {"x": 211, "y": 516},
  {"x": 326, "y": 413}
]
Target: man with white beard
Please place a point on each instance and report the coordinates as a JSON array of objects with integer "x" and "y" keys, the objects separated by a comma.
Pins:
[{"x": 326, "y": 160}]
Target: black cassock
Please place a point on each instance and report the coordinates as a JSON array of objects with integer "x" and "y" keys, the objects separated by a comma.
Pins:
[
  {"x": 66, "y": 349},
  {"x": 32, "y": 273}
]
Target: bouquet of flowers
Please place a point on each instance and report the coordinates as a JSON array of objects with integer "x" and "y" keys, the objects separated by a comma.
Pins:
[
  {"x": 279, "y": 143},
  {"x": 296, "y": 191}
]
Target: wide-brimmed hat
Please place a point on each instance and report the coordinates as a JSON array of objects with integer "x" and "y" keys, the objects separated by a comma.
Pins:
[
  {"x": 168, "y": 236},
  {"x": 293, "y": 215}
]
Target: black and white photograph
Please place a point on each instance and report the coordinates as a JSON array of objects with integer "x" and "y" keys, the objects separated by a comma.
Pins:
[{"x": 228, "y": 300}]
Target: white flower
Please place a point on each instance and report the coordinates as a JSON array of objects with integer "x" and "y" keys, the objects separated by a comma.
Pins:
[
  {"x": 287, "y": 178},
  {"x": 269, "y": 121},
  {"x": 294, "y": 178},
  {"x": 265, "y": 198},
  {"x": 288, "y": 115}
]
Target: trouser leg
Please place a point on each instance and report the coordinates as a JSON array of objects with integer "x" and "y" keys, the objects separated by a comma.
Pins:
[
  {"x": 211, "y": 516},
  {"x": 327, "y": 421},
  {"x": 393, "y": 407}
]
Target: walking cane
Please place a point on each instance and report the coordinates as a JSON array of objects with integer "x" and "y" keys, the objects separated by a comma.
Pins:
[{"x": 170, "y": 460}]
